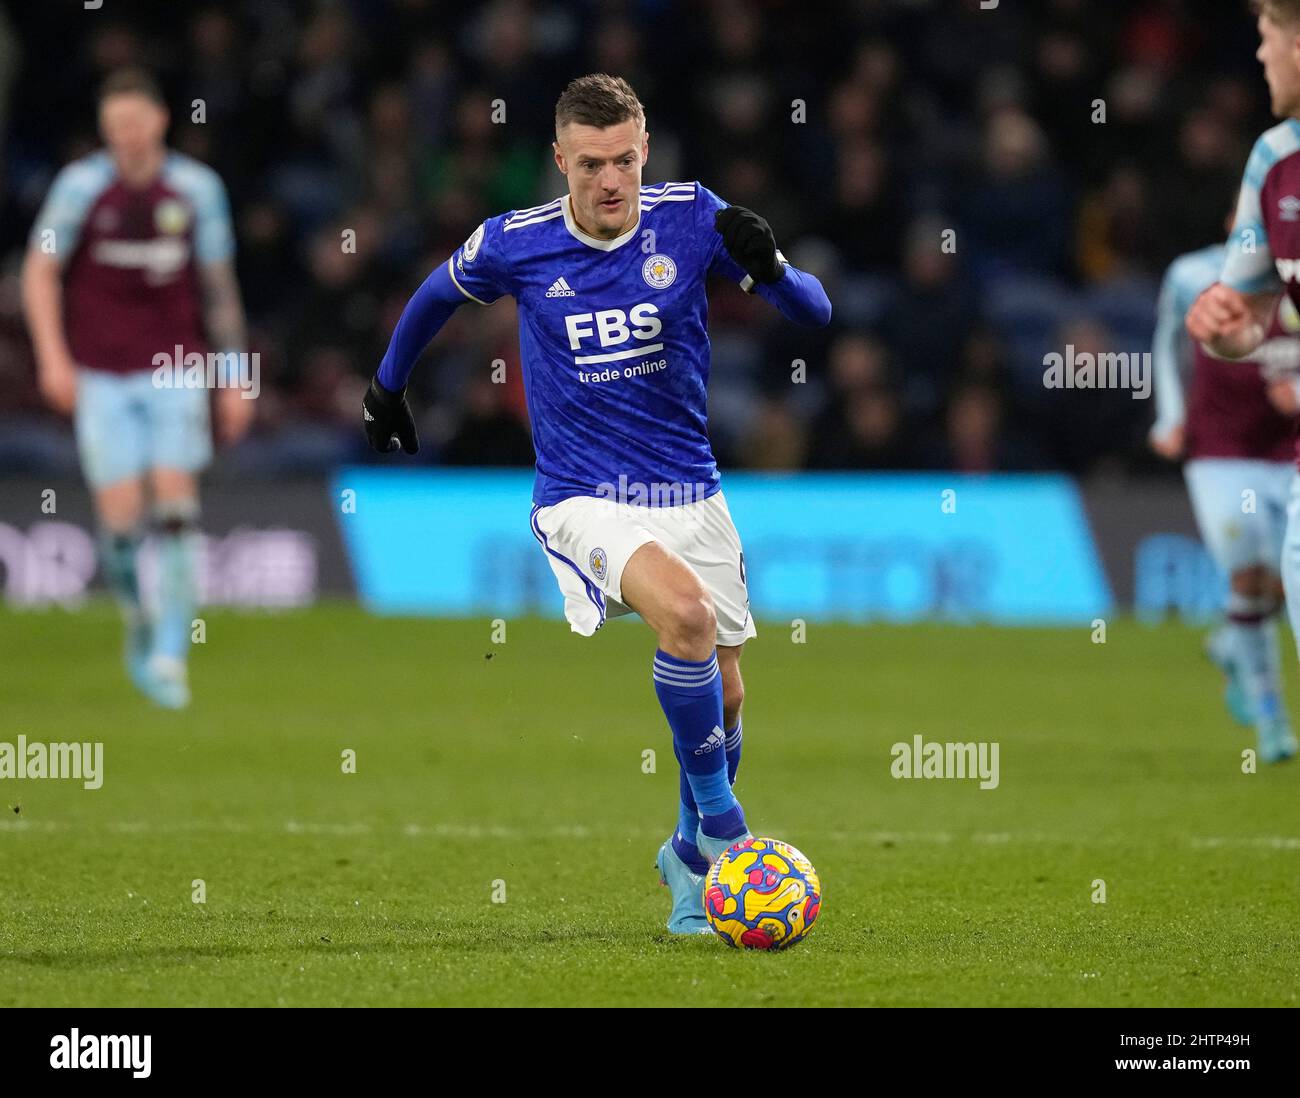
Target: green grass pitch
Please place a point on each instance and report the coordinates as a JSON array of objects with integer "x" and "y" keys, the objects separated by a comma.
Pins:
[{"x": 376, "y": 888}]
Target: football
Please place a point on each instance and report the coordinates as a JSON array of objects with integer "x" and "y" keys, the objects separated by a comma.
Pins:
[{"x": 762, "y": 894}]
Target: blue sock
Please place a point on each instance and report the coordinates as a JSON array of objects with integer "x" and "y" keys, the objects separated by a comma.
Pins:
[
  {"x": 117, "y": 556},
  {"x": 733, "y": 751},
  {"x": 690, "y": 692},
  {"x": 688, "y": 822},
  {"x": 176, "y": 578}
]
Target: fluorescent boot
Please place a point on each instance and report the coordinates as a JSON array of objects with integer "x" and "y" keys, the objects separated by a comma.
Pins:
[
  {"x": 687, "y": 916},
  {"x": 167, "y": 682},
  {"x": 1219, "y": 649}
]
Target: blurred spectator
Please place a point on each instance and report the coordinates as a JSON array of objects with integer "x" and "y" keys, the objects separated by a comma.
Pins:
[
  {"x": 861, "y": 425},
  {"x": 1198, "y": 185},
  {"x": 1017, "y": 211},
  {"x": 866, "y": 431},
  {"x": 488, "y": 433},
  {"x": 974, "y": 439},
  {"x": 931, "y": 317},
  {"x": 777, "y": 439}
]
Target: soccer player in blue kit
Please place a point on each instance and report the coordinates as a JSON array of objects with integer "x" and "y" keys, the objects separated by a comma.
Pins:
[{"x": 610, "y": 284}]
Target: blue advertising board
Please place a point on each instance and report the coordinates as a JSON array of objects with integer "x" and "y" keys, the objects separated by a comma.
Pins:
[{"x": 1011, "y": 549}]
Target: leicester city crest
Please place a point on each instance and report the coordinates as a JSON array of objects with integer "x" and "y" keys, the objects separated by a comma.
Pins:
[
  {"x": 659, "y": 271},
  {"x": 472, "y": 245},
  {"x": 599, "y": 563}
]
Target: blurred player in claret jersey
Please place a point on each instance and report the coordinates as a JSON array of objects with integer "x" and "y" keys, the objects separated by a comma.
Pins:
[
  {"x": 1238, "y": 447},
  {"x": 610, "y": 284},
  {"x": 132, "y": 256},
  {"x": 1233, "y": 317}
]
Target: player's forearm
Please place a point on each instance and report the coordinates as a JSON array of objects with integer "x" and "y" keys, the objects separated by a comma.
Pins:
[
  {"x": 1170, "y": 406},
  {"x": 42, "y": 295},
  {"x": 223, "y": 312},
  {"x": 226, "y": 327},
  {"x": 422, "y": 319},
  {"x": 799, "y": 296}
]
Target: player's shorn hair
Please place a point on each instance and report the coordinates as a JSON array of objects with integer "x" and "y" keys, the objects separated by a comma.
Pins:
[
  {"x": 131, "y": 81},
  {"x": 1284, "y": 13},
  {"x": 598, "y": 100}
]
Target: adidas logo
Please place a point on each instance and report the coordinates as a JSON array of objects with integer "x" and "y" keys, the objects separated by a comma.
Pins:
[
  {"x": 560, "y": 288},
  {"x": 715, "y": 742}
]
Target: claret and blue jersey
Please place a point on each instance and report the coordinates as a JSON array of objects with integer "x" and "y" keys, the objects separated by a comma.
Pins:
[
  {"x": 612, "y": 334},
  {"x": 1264, "y": 249}
]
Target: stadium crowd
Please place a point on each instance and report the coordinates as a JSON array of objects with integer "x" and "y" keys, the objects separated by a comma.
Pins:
[{"x": 1066, "y": 151}]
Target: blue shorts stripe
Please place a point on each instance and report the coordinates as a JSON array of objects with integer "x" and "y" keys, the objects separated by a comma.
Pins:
[{"x": 593, "y": 592}]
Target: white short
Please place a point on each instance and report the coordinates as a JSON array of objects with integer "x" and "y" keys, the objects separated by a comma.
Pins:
[
  {"x": 1241, "y": 530},
  {"x": 126, "y": 425},
  {"x": 589, "y": 540},
  {"x": 1291, "y": 560}
]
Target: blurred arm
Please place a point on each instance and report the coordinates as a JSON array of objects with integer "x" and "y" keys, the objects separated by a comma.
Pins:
[
  {"x": 1166, "y": 349},
  {"x": 223, "y": 313},
  {"x": 223, "y": 316},
  {"x": 42, "y": 291}
]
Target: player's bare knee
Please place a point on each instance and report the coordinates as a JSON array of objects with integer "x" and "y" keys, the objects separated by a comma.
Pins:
[
  {"x": 733, "y": 697},
  {"x": 176, "y": 517},
  {"x": 1251, "y": 581},
  {"x": 120, "y": 506},
  {"x": 692, "y": 623},
  {"x": 697, "y": 618}
]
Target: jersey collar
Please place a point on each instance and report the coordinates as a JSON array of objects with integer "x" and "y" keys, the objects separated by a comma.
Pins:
[{"x": 594, "y": 242}]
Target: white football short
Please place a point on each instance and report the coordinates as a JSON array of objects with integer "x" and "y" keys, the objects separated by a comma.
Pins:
[
  {"x": 1291, "y": 560},
  {"x": 589, "y": 540},
  {"x": 1241, "y": 509},
  {"x": 127, "y": 425}
]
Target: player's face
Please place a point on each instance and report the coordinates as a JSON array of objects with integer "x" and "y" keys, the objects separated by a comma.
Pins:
[
  {"x": 603, "y": 167},
  {"x": 1279, "y": 53},
  {"x": 133, "y": 126}
]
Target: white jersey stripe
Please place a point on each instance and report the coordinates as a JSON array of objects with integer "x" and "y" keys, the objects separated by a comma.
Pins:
[
  {"x": 533, "y": 220},
  {"x": 533, "y": 209},
  {"x": 659, "y": 188},
  {"x": 651, "y": 203}
]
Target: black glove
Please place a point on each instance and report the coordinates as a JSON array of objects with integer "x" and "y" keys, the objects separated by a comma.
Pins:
[
  {"x": 750, "y": 242},
  {"x": 388, "y": 420}
]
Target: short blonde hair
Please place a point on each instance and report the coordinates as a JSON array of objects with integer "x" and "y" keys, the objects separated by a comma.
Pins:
[
  {"x": 1285, "y": 13},
  {"x": 598, "y": 100}
]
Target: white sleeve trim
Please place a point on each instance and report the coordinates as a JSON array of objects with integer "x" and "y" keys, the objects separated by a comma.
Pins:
[{"x": 451, "y": 270}]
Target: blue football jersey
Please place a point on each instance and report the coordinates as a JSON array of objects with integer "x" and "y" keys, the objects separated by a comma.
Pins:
[{"x": 613, "y": 338}]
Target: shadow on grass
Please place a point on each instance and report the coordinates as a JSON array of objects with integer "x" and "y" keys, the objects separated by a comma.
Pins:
[{"x": 284, "y": 938}]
